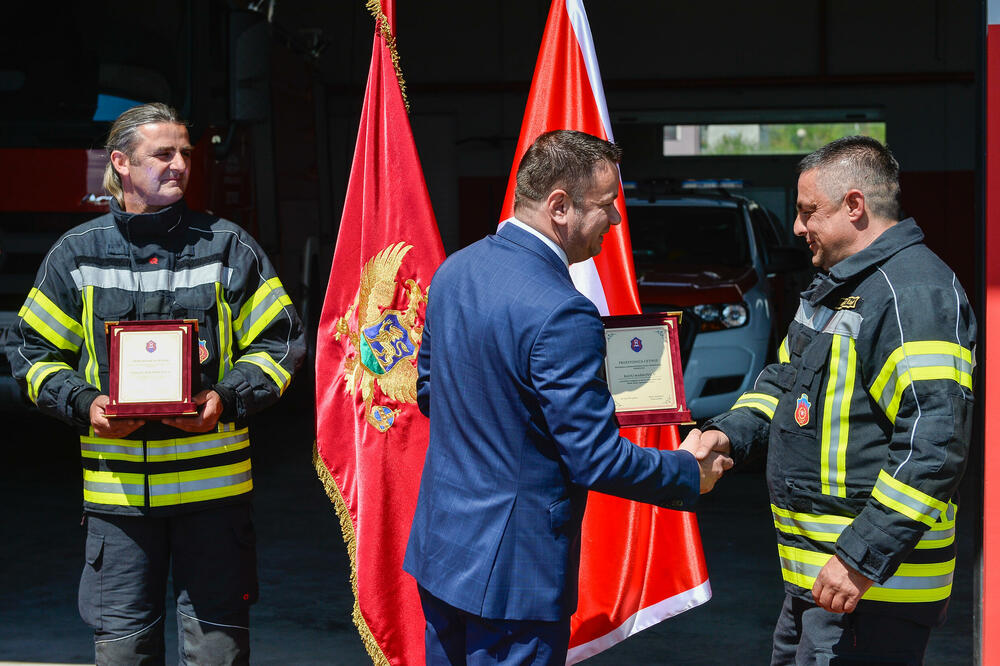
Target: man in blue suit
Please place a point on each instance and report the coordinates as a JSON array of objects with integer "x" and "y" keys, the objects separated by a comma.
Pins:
[{"x": 522, "y": 423}]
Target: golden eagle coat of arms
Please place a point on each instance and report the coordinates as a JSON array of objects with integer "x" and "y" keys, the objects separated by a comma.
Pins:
[{"x": 385, "y": 342}]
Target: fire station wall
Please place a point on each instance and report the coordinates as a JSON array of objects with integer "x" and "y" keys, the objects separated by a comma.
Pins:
[{"x": 467, "y": 77}]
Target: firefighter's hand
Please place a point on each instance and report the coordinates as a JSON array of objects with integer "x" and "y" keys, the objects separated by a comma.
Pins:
[
  {"x": 110, "y": 428},
  {"x": 718, "y": 440},
  {"x": 838, "y": 587},
  {"x": 209, "y": 411},
  {"x": 711, "y": 462}
]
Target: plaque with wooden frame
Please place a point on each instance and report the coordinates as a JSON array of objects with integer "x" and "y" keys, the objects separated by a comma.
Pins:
[
  {"x": 643, "y": 369},
  {"x": 151, "y": 368}
]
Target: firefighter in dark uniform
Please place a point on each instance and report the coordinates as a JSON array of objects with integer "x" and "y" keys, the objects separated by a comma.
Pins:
[
  {"x": 867, "y": 417},
  {"x": 171, "y": 495}
]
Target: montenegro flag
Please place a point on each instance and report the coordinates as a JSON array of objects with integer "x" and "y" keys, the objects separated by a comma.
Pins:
[{"x": 370, "y": 437}]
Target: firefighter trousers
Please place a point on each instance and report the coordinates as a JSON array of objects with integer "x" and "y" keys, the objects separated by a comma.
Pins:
[
  {"x": 211, "y": 555},
  {"x": 808, "y": 635}
]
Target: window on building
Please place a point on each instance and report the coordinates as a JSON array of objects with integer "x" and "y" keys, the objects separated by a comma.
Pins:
[{"x": 761, "y": 138}]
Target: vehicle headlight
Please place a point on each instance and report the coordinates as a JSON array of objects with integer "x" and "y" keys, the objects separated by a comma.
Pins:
[{"x": 720, "y": 316}]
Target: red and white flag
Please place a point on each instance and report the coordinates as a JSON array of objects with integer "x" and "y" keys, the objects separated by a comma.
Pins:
[
  {"x": 370, "y": 437},
  {"x": 639, "y": 564}
]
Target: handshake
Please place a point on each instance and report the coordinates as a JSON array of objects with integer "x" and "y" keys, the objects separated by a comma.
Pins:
[{"x": 711, "y": 449}]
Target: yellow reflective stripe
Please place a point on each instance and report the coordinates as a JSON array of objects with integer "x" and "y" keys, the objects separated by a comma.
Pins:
[
  {"x": 38, "y": 373},
  {"x": 53, "y": 324},
  {"x": 200, "y": 446},
  {"x": 907, "y": 500},
  {"x": 192, "y": 496},
  {"x": 783, "y": 355},
  {"x": 812, "y": 517},
  {"x": 91, "y": 371},
  {"x": 759, "y": 401},
  {"x": 915, "y": 349},
  {"x": 200, "y": 485},
  {"x": 817, "y": 527},
  {"x": 270, "y": 294},
  {"x": 225, "y": 316},
  {"x": 924, "y": 374},
  {"x": 101, "y": 448},
  {"x": 831, "y": 391},
  {"x": 113, "y": 488},
  {"x": 920, "y": 360},
  {"x": 876, "y": 593},
  {"x": 912, "y": 583},
  {"x": 272, "y": 368},
  {"x": 836, "y": 417},
  {"x": 845, "y": 415},
  {"x": 941, "y": 533},
  {"x": 827, "y": 528}
]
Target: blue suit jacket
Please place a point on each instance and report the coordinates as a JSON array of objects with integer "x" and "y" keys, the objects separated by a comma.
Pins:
[{"x": 522, "y": 424}]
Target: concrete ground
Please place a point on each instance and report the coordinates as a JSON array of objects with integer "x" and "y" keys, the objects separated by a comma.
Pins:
[{"x": 304, "y": 613}]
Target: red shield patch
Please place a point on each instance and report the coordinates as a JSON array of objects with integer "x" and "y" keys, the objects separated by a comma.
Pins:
[{"x": 802, "y": 410}]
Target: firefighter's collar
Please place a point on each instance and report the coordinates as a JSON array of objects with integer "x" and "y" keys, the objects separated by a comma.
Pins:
[
  {"x": 159, "y": 223},
  {"x": 895, "y": 238}
]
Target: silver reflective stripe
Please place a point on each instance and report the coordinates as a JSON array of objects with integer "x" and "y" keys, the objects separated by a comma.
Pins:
[
  {"x": 815, "y": 530},
  {"x": 179, "y": 447},
  {"x": 824, "y": 320},
  {"x": 114, "y": 488},
  {"x": 893, "y": 583},
  {"x": 131, "y": 449},
  {"x": 911, "y": 361},
  {"x": 158, "y": 280},
  {"x": 181, "y": 487},
  {"x": 836, "y": 416},
  {"x": 260, "y": 309},
  {"x": 57, "y": 327},
  {"x": 922, "y": 509},
  {"x": 827, "y": 529}
]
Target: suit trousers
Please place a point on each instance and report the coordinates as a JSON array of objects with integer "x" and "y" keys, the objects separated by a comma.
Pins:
[
  {"x": 211, "y": 554},
  {"x": 807, "y": 634},
  {"x": 456, "y": 637}
]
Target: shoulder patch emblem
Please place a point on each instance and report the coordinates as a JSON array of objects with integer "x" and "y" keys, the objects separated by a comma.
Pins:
[
  {"x": 849, "y": 303},
  {"x": 202, "y": 350},
  {"x": 802, "y": 410}
]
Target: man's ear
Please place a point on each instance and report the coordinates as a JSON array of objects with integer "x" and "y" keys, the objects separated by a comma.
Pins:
[
  {"x": 855, "y": 202},
  {"x": 557, "y": 205},
  {"x": 120, "y": 163}
]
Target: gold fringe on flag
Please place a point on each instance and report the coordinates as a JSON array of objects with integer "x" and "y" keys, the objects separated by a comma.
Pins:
[
  {"x": 382, "y": 25},
  {"x": 347, "y": 531}
]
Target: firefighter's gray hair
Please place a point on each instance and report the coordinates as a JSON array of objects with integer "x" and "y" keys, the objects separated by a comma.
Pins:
[{"x": 123, "y": 137}]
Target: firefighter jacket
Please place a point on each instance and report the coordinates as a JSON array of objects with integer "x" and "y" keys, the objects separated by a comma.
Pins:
[
  {"x": 172, "y": 264},
  {"x": 867, "y": 417}
]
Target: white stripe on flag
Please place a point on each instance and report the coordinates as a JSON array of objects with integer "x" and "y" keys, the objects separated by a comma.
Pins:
[
  {"x": 643, "y": 619},
  {"x": 581, "y": 27},
  {"x": 588, "y": 282},
  {"x": 585, "y": 275}
]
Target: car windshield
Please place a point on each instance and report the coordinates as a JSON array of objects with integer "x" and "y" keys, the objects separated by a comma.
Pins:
[{"x": 687, "y": 236}]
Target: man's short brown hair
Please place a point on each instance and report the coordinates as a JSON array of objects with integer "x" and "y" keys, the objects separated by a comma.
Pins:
[{"x": 562, "y": 159}]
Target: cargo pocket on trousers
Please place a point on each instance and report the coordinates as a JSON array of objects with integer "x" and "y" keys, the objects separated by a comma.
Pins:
[
  {"x": 246, "y": 540},
  {"x": 91, "y": 581}
]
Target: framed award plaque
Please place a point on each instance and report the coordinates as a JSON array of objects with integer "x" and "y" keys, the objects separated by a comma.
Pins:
[
  {"x": 643, "y": 368},
  {"x": 151, "y": 367}
]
